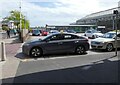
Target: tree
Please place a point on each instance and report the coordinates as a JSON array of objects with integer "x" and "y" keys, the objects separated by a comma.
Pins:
[
  {"x": 5, "y": 28},
  {"x": 15, "y": 16}
]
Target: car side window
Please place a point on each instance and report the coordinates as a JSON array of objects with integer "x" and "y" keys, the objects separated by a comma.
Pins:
[
  {"x": 56, "y": 37},
  {"x": 88, "y": 31},
  {"x": 68, "y": 36},
  {"x": 75, "y": 37}
]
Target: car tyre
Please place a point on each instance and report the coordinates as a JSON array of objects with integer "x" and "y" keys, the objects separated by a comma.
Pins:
[
  {"x": 109, "y": 47},
  {"x": 80, "y": 50},
  {"x": 36, "y": 52}
]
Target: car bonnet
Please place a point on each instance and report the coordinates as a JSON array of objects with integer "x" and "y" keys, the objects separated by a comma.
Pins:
[{"x": 103, "y": 39}]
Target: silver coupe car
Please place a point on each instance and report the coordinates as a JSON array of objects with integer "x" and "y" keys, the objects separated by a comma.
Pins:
[{"x": 107, "y": 41}]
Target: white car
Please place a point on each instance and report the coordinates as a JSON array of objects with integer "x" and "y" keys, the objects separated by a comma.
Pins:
[
  {"x": 93, "y": 34},
  {"x": 106, "y": 42}
]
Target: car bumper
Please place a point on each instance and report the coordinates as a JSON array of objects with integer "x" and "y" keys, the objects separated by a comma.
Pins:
[
  {"x": 94, "y": 46},
  {"x": 25, "y": 50},
  {"x": 87, "y": 46}
]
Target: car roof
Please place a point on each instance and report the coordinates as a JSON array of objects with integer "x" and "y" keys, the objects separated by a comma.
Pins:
[
  {"x": 118, "y": 32},
  {"x": 64, "y": 33}
]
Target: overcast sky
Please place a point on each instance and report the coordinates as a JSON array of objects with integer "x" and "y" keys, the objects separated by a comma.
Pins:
[{"x": 57, "y": 12}]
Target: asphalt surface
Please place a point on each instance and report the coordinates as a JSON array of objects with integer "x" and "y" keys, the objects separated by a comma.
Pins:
[{"x": 77, "y": 69}]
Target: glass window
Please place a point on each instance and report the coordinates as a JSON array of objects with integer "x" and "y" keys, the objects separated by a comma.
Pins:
[
  {"x": 56, "y": 37},
  {"x": 88, "y": 31},
  {"x": 109, "y": 35},
  {"x": 68, "y": 36}
]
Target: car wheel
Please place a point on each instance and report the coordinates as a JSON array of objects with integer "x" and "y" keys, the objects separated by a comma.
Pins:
[
  {"x": 80, "y": 50},
  {"x": 109, "y": 47},
  {"x": 35, "y": 52}
]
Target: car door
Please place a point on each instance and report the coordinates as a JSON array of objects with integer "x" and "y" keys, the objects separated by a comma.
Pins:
[
  {"x": 68, "y": 42},
  {"x": 53, "y": 44}
]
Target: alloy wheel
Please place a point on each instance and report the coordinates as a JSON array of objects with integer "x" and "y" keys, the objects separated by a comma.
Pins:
[
  {"x": 80, "y": 50},
  {"x": 36, "y": 52},
  {"x": 109, "y": 47}
]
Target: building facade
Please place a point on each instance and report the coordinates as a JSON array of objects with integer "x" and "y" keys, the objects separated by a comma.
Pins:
[
  {"x": 103, "y": 18},
  {"x": 76, "y": 28}
]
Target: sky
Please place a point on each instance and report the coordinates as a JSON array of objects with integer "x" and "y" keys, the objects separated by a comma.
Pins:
[{"x": 55, "y": 12}]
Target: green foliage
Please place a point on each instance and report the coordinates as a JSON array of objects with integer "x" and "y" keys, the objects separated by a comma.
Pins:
[
  {"x": 5, "y": 28},
  {"x": 15, "y": 16}
]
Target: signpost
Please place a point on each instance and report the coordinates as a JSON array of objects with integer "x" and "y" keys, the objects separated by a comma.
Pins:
[{"x": 116, "y": 16}]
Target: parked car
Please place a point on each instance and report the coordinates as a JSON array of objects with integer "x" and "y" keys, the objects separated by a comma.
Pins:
[
  {"x": 35, "y": 32},
  {"x": 56, "y": 43},
  {"x": 106, "y": 42},
  {"x": 71, "y": 31},
  {"x": 44, "y": 32},
  {"x": 93, "y": 34},
  {"x": 54, "y": 31}
]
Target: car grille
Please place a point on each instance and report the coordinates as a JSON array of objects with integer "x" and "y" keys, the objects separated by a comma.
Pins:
[
  {"x": 93, "y": 42},
  {"x": 96, "y": 46}
]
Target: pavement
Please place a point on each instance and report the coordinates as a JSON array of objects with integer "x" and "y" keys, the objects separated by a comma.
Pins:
[{"x": 9, "y": 67}]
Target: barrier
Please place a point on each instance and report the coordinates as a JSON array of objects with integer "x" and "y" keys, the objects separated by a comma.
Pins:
[{"x": 3, "y": 51}]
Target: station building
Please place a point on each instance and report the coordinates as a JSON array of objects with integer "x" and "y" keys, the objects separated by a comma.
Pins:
[
  {"x": 105, "y": 18},
  {"x": 76, "y": 28}
]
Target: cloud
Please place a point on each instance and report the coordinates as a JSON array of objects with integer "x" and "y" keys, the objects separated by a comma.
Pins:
[{"x": 61, "y": 12}]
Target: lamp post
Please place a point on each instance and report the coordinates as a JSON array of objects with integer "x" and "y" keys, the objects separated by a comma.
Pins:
[
  {"x": 116, "y": 17},
  {"x": 20, "y": 30}
]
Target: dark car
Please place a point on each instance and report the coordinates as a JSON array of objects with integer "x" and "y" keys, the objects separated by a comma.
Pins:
[
  {"x": 56, "y": 43},
  {"x": 35, "y": 32},
  {"x": 71, "y": 31}
]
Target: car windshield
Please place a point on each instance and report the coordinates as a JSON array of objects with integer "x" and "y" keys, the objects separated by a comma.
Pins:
[
  {"x": 92, "y": 31},
  {"x": 95, "y": 31},
  {"x": 46, "y": 37},
  {"x": 109, "y": 35},
  {"x": 35, "y": 31}
]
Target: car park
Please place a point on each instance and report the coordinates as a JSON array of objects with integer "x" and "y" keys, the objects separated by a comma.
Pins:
[
  {"x": 93, "y": 34},
  {"x": 107, "y": 42},
  {"x": 35, "y": 32},
  {"x": 56, "y": 43}
]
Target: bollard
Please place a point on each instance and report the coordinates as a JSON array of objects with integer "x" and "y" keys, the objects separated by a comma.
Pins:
[{"x": 3, "y": 51}]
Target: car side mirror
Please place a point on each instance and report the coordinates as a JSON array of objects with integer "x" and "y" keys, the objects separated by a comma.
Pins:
[{"x": 117, "y": 37}]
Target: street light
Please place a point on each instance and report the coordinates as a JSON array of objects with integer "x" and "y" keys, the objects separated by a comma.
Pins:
[
  {"x": 20, "y": 30},
  {"x": 116, "y": 15}
]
